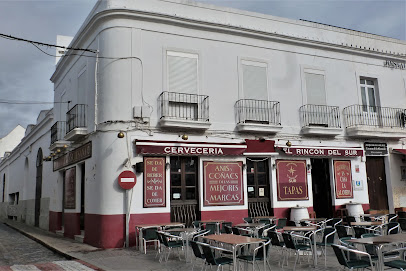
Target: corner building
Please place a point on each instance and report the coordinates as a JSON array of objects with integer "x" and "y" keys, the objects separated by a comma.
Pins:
[{"x": 220, "y": 113}]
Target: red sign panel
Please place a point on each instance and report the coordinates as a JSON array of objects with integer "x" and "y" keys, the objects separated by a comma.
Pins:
[
  {"x": 127, "y": 179},
  {"x": 154, "y": 182},
  {"x": 189, "y": 148},
  {"x": 223, "y": 183},
  {"x": 291, "y": 180},
  {"x": 70, "y": 188},
  {"x": 323, "y": 152},
  {"x": 343, "y": 179}
]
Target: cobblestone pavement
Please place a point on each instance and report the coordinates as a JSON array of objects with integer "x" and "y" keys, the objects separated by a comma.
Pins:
[
  {"x": 16, "y": 248},
  {"x": 51, "y": 266}
]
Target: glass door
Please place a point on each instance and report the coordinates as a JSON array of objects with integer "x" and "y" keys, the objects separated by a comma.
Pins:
[{"x": 258, "y": 187}]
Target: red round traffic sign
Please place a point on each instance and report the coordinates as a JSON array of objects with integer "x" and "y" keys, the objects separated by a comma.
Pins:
[{"x": 127, "y": 179}]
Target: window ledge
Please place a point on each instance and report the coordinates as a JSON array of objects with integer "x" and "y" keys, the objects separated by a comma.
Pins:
[
  {"x": 184, "y": 124},
  {"x": 259, "y": 128},
  {"x": 376, "y": 132}
]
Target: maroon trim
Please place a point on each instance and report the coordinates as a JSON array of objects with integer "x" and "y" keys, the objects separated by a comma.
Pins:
[
  {"x": 189, "y": 142},
  {"x": 71, "y": 225},
  {"x": 399, "y": 151},
  {"x": 260, "y": 146},
  {"x": 55, "y": 221}
]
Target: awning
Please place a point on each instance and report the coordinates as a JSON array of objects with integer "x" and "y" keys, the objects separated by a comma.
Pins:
[{"x": 399, "y": 151}]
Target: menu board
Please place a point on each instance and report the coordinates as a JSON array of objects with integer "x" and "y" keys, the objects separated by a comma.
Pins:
[
  {"x": 291, "y": 180},
  {"x": 223, "y": 183},
  {"x": 70, "y": 188},
  {"x": 343, "y": 179},
  {"x": 154, "y": 182}
]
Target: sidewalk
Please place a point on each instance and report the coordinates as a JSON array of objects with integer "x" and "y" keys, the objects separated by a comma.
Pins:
[{"x": 131, "y": 259}]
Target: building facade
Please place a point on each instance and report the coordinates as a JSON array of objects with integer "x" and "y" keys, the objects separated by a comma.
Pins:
[{"x": 219, "y": 113}]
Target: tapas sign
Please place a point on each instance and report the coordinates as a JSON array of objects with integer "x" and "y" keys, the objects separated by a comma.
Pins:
[
  {"x": 343, "y": 179},
  {"x": 154, "y": 182},
  {"x": 291, "y": 180}
]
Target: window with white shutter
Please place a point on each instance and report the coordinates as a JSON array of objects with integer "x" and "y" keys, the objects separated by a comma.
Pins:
[
  {"x": 182, "y": 72},
  {"x": 254, "y": 80}
]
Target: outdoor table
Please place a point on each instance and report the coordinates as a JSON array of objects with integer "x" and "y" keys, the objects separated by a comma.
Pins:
[
  {"x": 185, "y": 233},
  {"x": 217, "y": 221},
  {"x": 366, "y": 223},
  {"x": 379, "y": 242},
  {"x": 315, "y": 221},
  {"x": 254, "y": 226},
  {"x": 374, "y": 216},
  {"x": 306, "y": 229},
  {"x": 140, "y": 227},
  {"x": 271, "y": 218},
  {"x": 236, "y": 241}
]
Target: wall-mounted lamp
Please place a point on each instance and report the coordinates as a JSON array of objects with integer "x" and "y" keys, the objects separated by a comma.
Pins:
[
  {"x": 120, "y": 135},
  {"x": 47, "y": 158},
  {"x": 65, "y": 146},
  {"x": 185, "y": 137},
  {"x": 261, "y": 139},
  {"x": 58, "y": 150},
  {"x": 289, "y": 144}
]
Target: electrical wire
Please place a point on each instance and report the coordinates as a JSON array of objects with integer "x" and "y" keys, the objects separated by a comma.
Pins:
[
  {"x": 9, "y": 37},
  {"x": 30, "y": 102}
]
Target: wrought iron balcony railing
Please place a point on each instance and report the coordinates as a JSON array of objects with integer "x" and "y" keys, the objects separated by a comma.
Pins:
[
  {"x": 58, "y": 131},
  {"x": 182, "y": 106},
  {"x": 374, "y": 116},
  {"x": 258, "y": 111},
  {"x": 76, "y": 117},
  {"x": 320, "y": 116}
]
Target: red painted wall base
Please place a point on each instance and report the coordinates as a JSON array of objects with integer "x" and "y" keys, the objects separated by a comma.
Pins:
[
  {"x": 71, "y": 224},
  {"x": 235, "y": 216},
  {"x": 55, "y": 221}
]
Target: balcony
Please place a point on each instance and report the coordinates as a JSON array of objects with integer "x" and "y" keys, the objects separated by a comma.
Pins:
[
  {"x": 184, "y": 111},
  {"x": 258, "y": 116},
  {"x": 375, "y": 121},
  {"x": 58, "y": 131},
  {"x": 320, "y": 120},
  {"x": 76, "y": 123}
]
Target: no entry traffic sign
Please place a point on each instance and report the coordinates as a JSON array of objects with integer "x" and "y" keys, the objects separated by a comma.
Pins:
[{"x": 127, "y": 179}]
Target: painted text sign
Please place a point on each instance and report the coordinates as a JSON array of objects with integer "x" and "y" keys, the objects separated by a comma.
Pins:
[
  {"x": 70, "y": 189},
  {"x": 343, "y": 179},
  {"x": 189, "y": 149},
  {"x": 154, "y": 182},
  {"x": 223, "y": 183},
  {"x": 291, "y": 180},
  {"x": 296, "y": 151},
  {"x": 79, "y": 154}
]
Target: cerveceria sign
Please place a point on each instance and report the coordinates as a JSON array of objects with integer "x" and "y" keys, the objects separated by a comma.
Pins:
[
  {"x": 175, "y": 148},
  {"x": 74, "y": 156}
]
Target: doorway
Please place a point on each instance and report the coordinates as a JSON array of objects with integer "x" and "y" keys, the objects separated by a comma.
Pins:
[
  {"x": 38, "y": 188},
  {"x": 184, "y": 190},
  {"x": 82, "y": 196},
  {"x": 258, "y": 188},
  {"x": 377, "y": 189},
  {"x": 321, "y": 186}
]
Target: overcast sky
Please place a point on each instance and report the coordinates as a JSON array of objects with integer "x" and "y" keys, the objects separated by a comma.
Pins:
[{"x": 25, "y": 71}]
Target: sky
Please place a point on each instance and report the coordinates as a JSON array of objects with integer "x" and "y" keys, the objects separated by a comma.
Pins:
[{"x": 25, "y": 71}]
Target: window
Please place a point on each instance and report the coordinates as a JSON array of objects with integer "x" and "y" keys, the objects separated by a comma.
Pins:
[
  {"x": 182, "y": 72},
  {"x": 368, "y": 92},
  {"x": 254, "y": 80},
  {"x": 315, "y": 88}
]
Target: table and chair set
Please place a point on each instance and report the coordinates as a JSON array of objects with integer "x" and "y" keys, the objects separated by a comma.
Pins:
[{"x": 215, "y": 242}]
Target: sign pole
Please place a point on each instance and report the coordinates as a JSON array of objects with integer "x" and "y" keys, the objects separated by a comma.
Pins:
[{"x": 127, "y": 219}]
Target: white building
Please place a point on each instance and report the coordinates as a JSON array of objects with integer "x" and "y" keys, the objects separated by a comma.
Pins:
[
  {"x": 11, "y": 140},
  {"x": 221, "y": 113}
]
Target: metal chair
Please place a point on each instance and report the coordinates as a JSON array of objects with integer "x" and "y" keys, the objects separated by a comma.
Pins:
[
  {"x": 247, "y": 219},
  {"x": 149, "y": 235},
  {"x": 341, "y": 253},
  {"x": 210, "y": 256},
  {"x": 175, "y": 242},
  {"x": 197, "y": 252},
  {"x": 291, "y": 244},
  {"x": 327, "y": 240},
  {"x": 358, "y": 231},
  {"x": 224, "y": 226},
  {"x": 281, "y": 223},
  {"x": 277, "y": 243},
  {"x": 332, "y": 222},
  {"x": 398, "y": 264},
  {"x": 257, "y": 255},
  {"x": 342, "y": 231},
  {"x": 212, "y": 227}
]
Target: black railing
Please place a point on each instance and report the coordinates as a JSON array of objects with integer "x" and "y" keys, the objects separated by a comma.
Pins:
[
  {"x": 184, "y": 106},
  {"x": 376, "y": 116},
  {"x": 258, "y": 111},
  {"x": 76, "y": 117},
  {"x": 320, "y": 116},
  {"x": 58, "y": 131}
]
